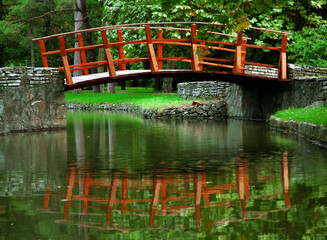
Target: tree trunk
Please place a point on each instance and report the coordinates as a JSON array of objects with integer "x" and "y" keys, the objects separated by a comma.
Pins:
[
  {"x": 79, "y": 17},
  {"x": 111, "y": 88},
  {"x": 30, "y": 33},
  {"x": 167, "y": 85},
  {"x": 156, "y": 84},
  {"x": 2, "y": 60},
  {"x": 123, "y": 85}
]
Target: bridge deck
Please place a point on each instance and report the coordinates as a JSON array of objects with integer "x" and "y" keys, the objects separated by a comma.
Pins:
[{"x": 104, "y": 77}]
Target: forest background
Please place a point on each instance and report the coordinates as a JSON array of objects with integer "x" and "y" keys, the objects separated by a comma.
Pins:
[{"x": 23, "y": 20}]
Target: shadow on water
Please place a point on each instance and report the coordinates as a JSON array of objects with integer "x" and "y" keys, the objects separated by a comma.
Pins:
[{"x": 132, "y": 178}]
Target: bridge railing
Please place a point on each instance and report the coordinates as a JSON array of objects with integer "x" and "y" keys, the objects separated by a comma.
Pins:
[{"x": 156, "y": 56}]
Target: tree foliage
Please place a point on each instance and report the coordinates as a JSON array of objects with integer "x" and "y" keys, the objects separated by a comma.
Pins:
[{"x": 305, "y": 19}]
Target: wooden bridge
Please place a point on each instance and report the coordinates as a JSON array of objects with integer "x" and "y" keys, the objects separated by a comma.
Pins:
[{"x": 200, "y": 66}]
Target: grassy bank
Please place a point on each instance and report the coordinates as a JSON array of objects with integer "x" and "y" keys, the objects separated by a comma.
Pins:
[
  {"x": 316, "y": 115},
  {"x": 144, "y": 97}
]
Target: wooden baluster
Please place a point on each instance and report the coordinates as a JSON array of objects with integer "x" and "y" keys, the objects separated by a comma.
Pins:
[
  {"x": 44, "y": 57},
  {"x": 110, "y": 63},
  {"x": 243, "y": 55},
  {"x": 160, "y": 49},
  {"x": 82, "y": 53},
  {"x": 237, "y": 68},
  {"x": 152, "y": 55},
  {"x": 194, "y": 56},
  {"x": 68, "y": 74},
  {"x": 121, "y": 53},
  {"x": 282, "y": 68}
]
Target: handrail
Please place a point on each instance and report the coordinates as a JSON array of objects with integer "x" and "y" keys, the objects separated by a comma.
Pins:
[
  {"x": 156, "y": 57},
  {"x": 150, "y": 23}
]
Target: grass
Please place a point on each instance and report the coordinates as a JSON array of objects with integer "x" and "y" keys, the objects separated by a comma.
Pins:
[
  {"x": 316, "y": 115},
  {"x": 139, "y": 96}
]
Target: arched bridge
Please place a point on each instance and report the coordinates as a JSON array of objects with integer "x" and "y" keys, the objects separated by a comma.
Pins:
[{"x": 198, "y": 62}]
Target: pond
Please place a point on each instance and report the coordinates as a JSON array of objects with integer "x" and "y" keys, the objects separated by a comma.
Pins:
[{"x": 118, "y": 176}]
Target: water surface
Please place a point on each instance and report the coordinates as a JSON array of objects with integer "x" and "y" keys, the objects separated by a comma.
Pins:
[{"x": 118, "y": 176}]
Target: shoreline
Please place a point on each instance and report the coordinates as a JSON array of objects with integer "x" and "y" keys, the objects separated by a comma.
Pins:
[
  {"x": 197, "y": 110},
  {"x": 316, "y": 134}
]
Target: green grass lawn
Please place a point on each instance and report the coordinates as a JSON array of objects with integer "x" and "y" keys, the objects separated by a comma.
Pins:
[
  {"x": 144, "y": 97},
  {"x": 316, "y": 115}
]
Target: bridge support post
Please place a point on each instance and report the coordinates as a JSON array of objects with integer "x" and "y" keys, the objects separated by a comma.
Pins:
[
  {"x": 194, "y": 56},
  {"x": 44, "y": 57},
  {"x": 152, "y": 55},
  {"x": 282, "y": 67},
  {"x": 82, "y": 53},
  {"x": 68, "y": 74},
  {"x": 121, "y": 53},
  {"x": 110, "y": 63},
  {"x": 237, "y": 68},
  {"x": 160, "y": 49}
]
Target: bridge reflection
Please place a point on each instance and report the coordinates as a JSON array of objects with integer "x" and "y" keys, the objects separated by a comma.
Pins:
[{"x": 105, "y": 199}]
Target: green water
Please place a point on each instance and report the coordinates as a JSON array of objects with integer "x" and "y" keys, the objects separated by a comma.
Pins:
[{"x": 117, "y": 176}]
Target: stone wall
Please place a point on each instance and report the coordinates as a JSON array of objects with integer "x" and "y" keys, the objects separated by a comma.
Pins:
[
  {"x": 31, "y": 99},
  {"x": 300, "y": 71},
  {"x": 293, "y": 71},
  {"x": 316, "y": 134},
  {"x": 261, "y": 99},
  {"x": 196, "y": 110},
  {"x": 261, "y": 71},
  {"x": 205, "y": 90}
]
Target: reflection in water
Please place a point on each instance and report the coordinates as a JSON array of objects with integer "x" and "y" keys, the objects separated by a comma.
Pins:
[
  {"x": 172, "y": 192},
  {"x": 122, "y": 177}
]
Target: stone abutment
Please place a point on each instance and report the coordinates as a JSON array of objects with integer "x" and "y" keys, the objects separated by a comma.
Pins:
[{"x": 31, "y": 99}]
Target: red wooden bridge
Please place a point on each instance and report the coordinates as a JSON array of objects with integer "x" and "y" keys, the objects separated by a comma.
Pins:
[{"x": 201, "y": 66}]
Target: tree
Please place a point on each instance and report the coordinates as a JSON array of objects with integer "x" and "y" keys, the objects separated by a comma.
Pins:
[{"x": 23, "y": 20}]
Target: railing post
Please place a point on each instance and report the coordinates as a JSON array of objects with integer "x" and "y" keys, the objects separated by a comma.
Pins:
[
  {"x": 194, "y": 56},
  {"x": 237, "y": 68},
  {"x": 44, "y": 57},
  {"x": 110, "y": 63},
  {"x": 243, "y": 55},
  {"x": 68, "y": 74},
  {"x": 121, "y": 54},
  {"x": 82, "y": 53},
  {"x": 282, "y": 67},
  {"x": 152, "y": 55},
  {"x": 160, "y": 49}
]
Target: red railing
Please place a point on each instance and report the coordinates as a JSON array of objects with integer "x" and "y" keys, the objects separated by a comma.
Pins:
[{"x": 156, "y": 58}]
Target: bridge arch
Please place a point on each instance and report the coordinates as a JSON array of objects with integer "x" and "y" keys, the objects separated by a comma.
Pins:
[{"x": 234, "y": 66}]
